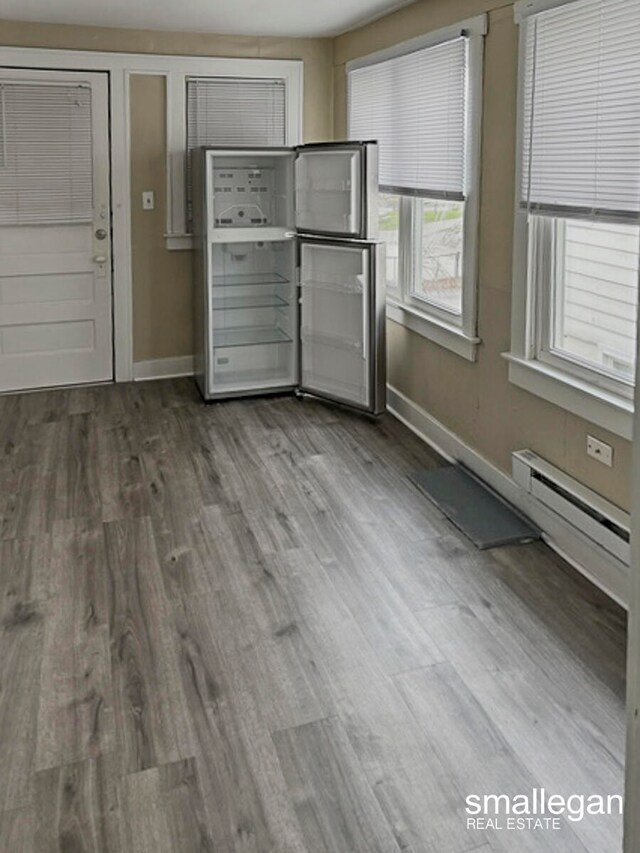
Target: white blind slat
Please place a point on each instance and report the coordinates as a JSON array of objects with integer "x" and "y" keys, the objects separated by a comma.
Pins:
[
  {"x": 46, "y": 160},
  {"x": 233, "y": 112},
  {"x": 415, "y": 107},
  {"x": 581, "y": 129}
]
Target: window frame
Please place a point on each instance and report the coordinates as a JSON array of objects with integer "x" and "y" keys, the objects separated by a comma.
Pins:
[
  {"x": 547, "y": 315},
  {"x": 456, "y": 332},
  {"x": 177, "y": 236},
  {"x": 414, "y": 248},
  {"x": 587, "y": 392}
]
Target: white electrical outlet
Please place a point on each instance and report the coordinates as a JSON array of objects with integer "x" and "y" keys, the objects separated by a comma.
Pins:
[
  {"x": 148, "y": 200},
  {"x": 599, "y": 450}
]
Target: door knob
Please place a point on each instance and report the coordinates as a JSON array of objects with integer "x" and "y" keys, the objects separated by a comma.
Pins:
[
  {"x": 101, "y": 234},
  {"x": 100, "y": 259}
]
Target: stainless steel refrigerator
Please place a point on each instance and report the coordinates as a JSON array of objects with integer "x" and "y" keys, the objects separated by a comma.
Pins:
[{"x": 289, "y": 285}]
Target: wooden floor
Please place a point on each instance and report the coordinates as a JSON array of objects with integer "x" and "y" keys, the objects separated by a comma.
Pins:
[{"x": 239, "y": 627}]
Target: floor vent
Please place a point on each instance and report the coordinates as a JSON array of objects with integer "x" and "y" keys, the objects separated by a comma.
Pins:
[{"x": 598, "y": 519}]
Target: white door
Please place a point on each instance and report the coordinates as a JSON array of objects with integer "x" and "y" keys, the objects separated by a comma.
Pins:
[
  {"x": 55, "y": 240},
  {"x": 336, "y": 321}
]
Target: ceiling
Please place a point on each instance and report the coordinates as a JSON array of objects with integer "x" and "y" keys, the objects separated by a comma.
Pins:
[{"x": 240, "y": 17}]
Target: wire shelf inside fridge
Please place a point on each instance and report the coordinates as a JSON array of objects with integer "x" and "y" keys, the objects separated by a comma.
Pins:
[
  {"x": 243, "y": 279},
  {"x": 236, "y": 303},
  {"x": 242, "y": 336}
]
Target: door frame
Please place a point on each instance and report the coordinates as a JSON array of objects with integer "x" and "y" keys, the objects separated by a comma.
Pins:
[{"x": 120, "y": 67}]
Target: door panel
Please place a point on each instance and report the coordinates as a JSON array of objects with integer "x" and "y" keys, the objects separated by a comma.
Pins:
[
  {"x": 329, "y": 190},
  {"x": 55, "y": 269},
  {"x": 335, "y": 318}
]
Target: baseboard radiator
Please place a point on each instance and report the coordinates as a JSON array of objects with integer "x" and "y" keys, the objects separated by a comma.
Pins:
[{"x": 596, "y": 518}]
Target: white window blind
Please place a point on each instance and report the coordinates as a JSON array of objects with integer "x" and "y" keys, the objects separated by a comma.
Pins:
[
  {"x": 415, "y": 106},
  {"x": 234, "y": 111},
  {"x": 581, "y": 129},
  {"x": 46, "y": 164}
]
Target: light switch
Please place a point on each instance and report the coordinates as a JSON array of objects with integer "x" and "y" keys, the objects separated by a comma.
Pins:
[{"x": 148, "y": 200}]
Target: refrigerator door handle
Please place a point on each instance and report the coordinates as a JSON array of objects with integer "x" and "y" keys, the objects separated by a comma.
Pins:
[
  {"x": 365, "y": 336},
  {"x": 366, "y": 300},
  {"x": 299, "y": 341},
  {"x": 356, "y": 201}
]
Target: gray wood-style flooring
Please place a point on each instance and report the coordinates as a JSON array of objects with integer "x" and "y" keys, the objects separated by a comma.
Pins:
[{"x": 240, "y": 628}]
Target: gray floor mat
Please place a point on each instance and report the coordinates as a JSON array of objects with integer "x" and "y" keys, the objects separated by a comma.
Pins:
[{"x": 474, "y": 509}]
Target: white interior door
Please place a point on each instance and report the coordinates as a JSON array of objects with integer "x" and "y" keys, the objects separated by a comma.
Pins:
[
  {"x": 335, "y": 321},
  {"x": 329, "y": 191},
  {"x": 55, "y": 241}
]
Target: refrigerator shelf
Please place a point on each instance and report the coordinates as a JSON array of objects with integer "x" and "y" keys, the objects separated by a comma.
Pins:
[
  {"x": 251, "y": 234},
  {"x": 248, "y": 279},
  {"x": 249, "y": 336},
  {"x": 233, "y": 303},
  {"x": 335, "y": 387},
  {"x": 254, "y": 379},
  {"x": 327, "y": 186},
  {"x": 336, "y": 341},
  {"x": 309, "y": 218},
  {"x": 348, "y": 287}
]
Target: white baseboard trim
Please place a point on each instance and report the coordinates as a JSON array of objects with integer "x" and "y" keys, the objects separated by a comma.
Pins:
[
  {"x": 163, "y": 368},
  {"x": 602, "y": 569}
]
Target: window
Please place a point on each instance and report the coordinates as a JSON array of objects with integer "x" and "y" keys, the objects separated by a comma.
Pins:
[
  {"x": 46, "y": 165},
  {"x": 578, "y": 205},
  {"x": 421, "y": 102},
  {"x": 216, "y": 101},
  {"x": 590, "y": 318},
  {"x": 389, "y": 232},
  {"x": 232, "y": 111},
  {"x": 440, "y": 247}
]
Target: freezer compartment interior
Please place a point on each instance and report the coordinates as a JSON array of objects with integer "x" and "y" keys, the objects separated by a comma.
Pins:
[
  {"x": 335, "y": 333},
  {"x": 328, "y": 191},
  {"x": 253, "y": 315},
  {"x": 252, "y": 190}
]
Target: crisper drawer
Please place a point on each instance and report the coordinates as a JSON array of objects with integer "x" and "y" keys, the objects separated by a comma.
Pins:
[{"x": 262, "y": 361}]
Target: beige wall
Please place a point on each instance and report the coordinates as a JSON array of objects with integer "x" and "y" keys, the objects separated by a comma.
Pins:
[
  {"x": 476, "y": 401},
  {"x": 162, "y": 294}
]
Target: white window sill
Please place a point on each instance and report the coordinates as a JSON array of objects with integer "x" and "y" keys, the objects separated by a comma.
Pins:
[
  {"x": 179, "y": 242},
  {"x": 441, "y": 333},
  {"x": 596, "y": 405}
]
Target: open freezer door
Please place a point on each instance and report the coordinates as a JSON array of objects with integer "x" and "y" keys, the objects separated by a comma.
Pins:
[
  {"x": 332, "y": 195},
  {"x": 338, "y": 358}
]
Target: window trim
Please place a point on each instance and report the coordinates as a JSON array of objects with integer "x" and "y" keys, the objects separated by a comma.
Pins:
[
  {"x": 477, "y": 26},
  {"x": 595, "y": 405},
  {"x": 457, "y": 333},
  {"x": 577, "y": 389},
  {"x": 523, "y": 9},
  {"x": 430, "y": 327},
  {"x": 289, "y": 70}
]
